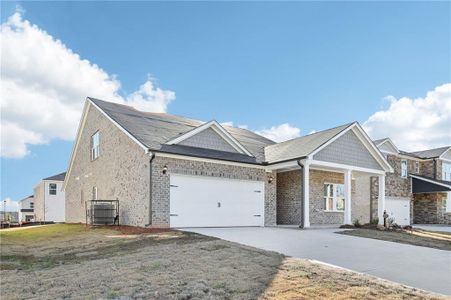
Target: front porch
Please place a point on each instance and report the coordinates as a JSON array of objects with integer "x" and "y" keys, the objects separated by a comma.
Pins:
[{"x": 337, "y": 194}]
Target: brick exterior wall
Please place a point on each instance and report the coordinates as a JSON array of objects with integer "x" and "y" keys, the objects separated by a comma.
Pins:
[
  {"x": 395, "y": 185},
  {"x": 289, "y": 198},
  {"x": 161, "y": 184},
  {"x": 430, "y": 209},
  {"x": 427, "y": 168},
  {"x": 120, "y": 172}
]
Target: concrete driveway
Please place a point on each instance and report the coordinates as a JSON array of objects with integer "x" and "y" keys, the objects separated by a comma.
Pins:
[{"x": 420, "y": 267}]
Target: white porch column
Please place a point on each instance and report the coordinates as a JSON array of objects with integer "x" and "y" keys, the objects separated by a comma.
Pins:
[
  {"x": 348, "y": 192},
  {"x": 381, "y": 200},
  {"x": 306, "y": 191}
]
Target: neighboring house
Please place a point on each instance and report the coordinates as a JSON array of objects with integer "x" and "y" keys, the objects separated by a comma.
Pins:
[
  {"x": 419, "y": 190},
  {"x": 170, "y": 171},
  {"x": 49, "y": 199},
  {"x": 9, "y": 216},
  {"x": 26, "y": 209}
]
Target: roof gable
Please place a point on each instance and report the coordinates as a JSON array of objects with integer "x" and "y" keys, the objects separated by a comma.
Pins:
[
  {"x": 386, "y": 145},
  {"x": 212, "y": 136},
  {"x": 348, "y": 149}
]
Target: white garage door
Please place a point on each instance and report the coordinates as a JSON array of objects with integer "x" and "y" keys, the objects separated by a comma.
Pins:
[
  {"x": 399, "y": 209},
  {"x": 215, "y": 202}
]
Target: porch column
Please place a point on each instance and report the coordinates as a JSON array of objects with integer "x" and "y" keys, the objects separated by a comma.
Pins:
[
  {"x": 348, "y": 192},
  {"x": 306, "y": 192},
  {"x": 381, "y": 199}
]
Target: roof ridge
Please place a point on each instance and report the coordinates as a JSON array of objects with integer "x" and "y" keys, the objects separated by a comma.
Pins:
[{"x": 346, "y": 125}]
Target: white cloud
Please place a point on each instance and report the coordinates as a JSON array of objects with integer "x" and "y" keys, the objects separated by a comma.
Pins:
[
  {"x": 415, "y": 124},
  {"x": 10, "y": 205},
  {"x": 44, "y": 85},
  {"x": 280, "y": 133},
  {"x": 228, "y": 123}
]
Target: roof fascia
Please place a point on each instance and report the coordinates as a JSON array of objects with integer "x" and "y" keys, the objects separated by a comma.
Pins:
[{"x": 431, "y": 181}]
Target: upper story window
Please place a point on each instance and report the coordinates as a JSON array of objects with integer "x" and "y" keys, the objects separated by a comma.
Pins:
[
  {"x": 334, "y": 197},
  {"x": 52, "y": 189},
  {"x": 404, "y": 168},
  {"x": 417, "y": 167},
  {"x": 446, "y": 171},
  {"x": 95, "y": 145},
  {"x": 31, "y": 204}
]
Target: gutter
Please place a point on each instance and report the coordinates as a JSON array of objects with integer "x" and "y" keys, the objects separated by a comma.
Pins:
[{"x": 152, "y": 156}]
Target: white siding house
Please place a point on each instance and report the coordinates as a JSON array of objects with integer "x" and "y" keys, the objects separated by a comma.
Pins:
[
  {"x": 26, "y": 209},
  {"x": 50, "y": 199}
]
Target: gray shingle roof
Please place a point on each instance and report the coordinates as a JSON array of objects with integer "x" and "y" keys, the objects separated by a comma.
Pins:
[
  {"x": 155, "y": 129},
  {"x": 58, "y": 177},
  {"x": 301, "y": 146},
  {"x": 431, "y": 153}
]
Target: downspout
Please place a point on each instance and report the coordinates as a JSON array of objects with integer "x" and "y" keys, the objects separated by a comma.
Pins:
[
  {"x": 435, "y": 168},
  {"x": 301, "y": 225},
  {"x": 152, "y": 156}
]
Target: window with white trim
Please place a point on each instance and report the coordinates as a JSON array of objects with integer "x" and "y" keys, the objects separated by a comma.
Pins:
[
  {"x": 446, "y": 171},
  {"x": 417, "y": 167},
  {"x": 404, "y": 168},
  {"x": 95, "y": 145},
  {"x": 334, "y": 197},
  {"x": 52, "y": 188}
]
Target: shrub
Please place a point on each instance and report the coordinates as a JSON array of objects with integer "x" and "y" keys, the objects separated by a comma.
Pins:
[
  {"x": 374, "y": 221},
  {"x": 357, "y": 223}
]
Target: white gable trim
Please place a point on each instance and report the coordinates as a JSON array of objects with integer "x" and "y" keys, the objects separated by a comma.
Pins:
[
  {"x": 81, "y": 126},
  {"x": 219, "y": 130},
  {"x": 388, "y": 140},
  {"x": 441, "y": 156},
  {"x": 364, "y": 138}
]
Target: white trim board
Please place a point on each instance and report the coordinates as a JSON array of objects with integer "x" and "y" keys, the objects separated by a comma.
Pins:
[{"x": 219, "y": 130}]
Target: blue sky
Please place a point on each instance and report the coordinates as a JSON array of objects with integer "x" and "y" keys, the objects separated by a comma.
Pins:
[{"x": 312, "y": 65}]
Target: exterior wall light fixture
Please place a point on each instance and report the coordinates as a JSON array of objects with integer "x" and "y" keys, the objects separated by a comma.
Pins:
[{"x": 165, "y": 169}]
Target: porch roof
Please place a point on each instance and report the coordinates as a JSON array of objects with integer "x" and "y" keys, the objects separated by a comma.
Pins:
[{"x": 423, "y": 184}]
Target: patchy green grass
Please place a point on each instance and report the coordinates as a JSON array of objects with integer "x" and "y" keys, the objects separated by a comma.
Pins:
[{"x": 41, "y": 232}]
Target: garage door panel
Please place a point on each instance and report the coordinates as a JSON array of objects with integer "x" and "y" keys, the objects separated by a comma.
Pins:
[
  {"x": 197, "y": 201},
  {"x": 399, "y": 209}
]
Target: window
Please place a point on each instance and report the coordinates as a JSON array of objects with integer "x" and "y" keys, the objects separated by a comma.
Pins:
[
  {"x": 94, "y": 193},
  {"x": 334, "y": 197},
  {"x": 31, "y": 205},
  {"x": 404, "y": 168},
  {"x": 95, "y": 145},
  {"x": 447, "y": 202},
  {"x": 417, "y": 167},
  {"x": 446, "y": 171},
  {"x": 52, "y": 189}
]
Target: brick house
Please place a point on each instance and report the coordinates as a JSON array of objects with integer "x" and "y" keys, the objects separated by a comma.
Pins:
[
  {"x": 419, "y": 189},
  {"x": 170, "y": 171}
]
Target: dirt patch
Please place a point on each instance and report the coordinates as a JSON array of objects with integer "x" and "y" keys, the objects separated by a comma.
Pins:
[
  {"x": 424, "y": 238},
  {"x": 300, "y": 279}
]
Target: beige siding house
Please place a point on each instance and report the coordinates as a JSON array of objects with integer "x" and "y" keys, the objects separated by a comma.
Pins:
[{"x": 170, "y": 171}]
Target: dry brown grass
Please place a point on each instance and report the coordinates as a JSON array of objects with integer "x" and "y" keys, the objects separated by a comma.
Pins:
[
  {"x": 417, "y": 237},
  {"x": 301, "y": 279},
  {"x": 75, "y": 262}
]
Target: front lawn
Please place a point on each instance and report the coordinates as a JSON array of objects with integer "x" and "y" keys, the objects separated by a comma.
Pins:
[
  {"x": 417, "y": 237},
  {"x": 73, "y": 261}
]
